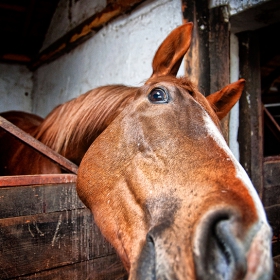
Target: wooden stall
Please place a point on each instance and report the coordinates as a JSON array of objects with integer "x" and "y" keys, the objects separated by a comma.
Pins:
[{"x": 46, "y": 232}]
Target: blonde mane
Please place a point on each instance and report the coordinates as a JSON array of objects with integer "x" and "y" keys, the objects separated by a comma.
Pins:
[{"x": 80, "y": 120}]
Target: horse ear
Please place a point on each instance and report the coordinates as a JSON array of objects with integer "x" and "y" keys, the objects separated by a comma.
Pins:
[
  {"x": 222, "y": 101},
  {"x": 169, "y": 55}
]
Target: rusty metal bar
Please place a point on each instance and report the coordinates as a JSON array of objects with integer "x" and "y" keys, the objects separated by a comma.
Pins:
[
  {"x": 41, "y": 179},
  {"x": 37, "y": 145}
]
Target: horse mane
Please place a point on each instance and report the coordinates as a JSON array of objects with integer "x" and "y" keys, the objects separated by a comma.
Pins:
[
  {"x": 74, "y": 125},
  {"x": 82, "y": 119}
]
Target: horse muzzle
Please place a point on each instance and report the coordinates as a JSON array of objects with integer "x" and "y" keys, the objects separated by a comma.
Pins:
[
  {"x": 220, "y": 250},
  {"x": 226, "y": 249}
]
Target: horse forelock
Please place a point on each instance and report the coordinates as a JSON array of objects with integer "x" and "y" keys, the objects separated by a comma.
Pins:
[{"x": 82, "y": 119}]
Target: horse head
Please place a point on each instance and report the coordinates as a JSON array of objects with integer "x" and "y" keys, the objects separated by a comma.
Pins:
[{"x": 164, "y": 187}]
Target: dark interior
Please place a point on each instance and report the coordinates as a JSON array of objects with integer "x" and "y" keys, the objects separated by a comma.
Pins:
[{"x": 270, "y": 87}]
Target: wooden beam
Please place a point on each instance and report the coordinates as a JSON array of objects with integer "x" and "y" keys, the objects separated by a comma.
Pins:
[
  {"x": 46, "y": 232},
  {"x": 28, "y": 180},
  {"x": 219, "y": 53},
  {"x": 197, "y": 63},
  {"x": 84, "y": 31},
  {"x": 38, "y": 146},
  {"x": 42, "y": 242},
  {"x": 258, "y": 16},
  {"x": 250, "y": 134}
]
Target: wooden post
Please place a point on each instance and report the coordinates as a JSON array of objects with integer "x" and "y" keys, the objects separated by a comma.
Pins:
[
  {"x": 250, "y": 117},
  {"x": 207, "y": 61},
  {"x": 219, "y": 46},
  {"x": 197, "y": 64}
]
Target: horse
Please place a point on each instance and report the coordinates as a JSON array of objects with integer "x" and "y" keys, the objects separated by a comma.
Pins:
[
  {"x": 164, "y": 187},
  {"x": 69, "y": 129},
  {"x": 155, "y": 171}
]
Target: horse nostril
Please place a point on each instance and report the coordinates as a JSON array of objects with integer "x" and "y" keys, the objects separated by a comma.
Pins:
[
  {"x": 220, "y": 254},
  {"x": 146, "y": 263},
  {"x": 230, "y": 252}
]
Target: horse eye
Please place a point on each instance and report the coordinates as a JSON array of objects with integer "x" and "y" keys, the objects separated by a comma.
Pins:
[{"x": 158, "y": 95}]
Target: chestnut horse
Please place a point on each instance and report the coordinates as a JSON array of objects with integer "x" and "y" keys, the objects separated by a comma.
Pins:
[
  {"x": 69, "y": 129},
  {"x": 164, "y": 187},
  {"x": 162, "y": 184}
]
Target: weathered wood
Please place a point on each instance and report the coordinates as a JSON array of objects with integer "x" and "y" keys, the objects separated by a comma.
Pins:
[
  {"x": 38, "y": 199},
  {"x": 271, "y": 173},
  {"x": 46, "y": 232},
  {"x": 35, "y": 243},
  {"x": 219, "y": 48},
  {"x": 276, "y": 274},
  {"x": 271, "y": 198},
  {"x": 264, "y": 14},
  {"x": 271, "y": 124},
  {"x": 38, "y": 146},
  {"x": 207, "y": 61},
  {"x": 104, "y": 268},
  {"x": 28, "y": 180},
  {"x": 273, "y": 216},
  {"x": 197, "y": 63},
  {"x": 84, "y": 31},
  {"x": 250, "y": 134}
]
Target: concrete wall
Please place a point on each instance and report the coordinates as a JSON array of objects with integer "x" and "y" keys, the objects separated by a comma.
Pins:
[
  {"x": 121, "y": 52},
  {"x": 15, "y": 88}
]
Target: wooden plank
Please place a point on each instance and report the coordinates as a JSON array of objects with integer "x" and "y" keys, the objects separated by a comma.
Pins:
[
  {"x": 38, "y": 199},
  {"x": 271, "y": 183},
  {"x": 27, "y": 180},
  {"x": 197, "y": 63},
  {"x": 104, "y": 268},
  {"x": 250, "y": 135},
  {"x": 84, "y": 31},
  {"x": 271, "y": 199},
  {"x": 38, "y": 146},
  {"x": 264, "y": 14},
  {"x": 272, "y": 159},
  {"x": 219, "y": 52},
  {"x": 276, "y": 273},
  {"x": 273, "y": 216},
  {"x": 30, "y": 244}
]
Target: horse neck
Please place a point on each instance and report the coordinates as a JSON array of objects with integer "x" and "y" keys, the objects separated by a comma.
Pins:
[{"x": 72, "y": 127}]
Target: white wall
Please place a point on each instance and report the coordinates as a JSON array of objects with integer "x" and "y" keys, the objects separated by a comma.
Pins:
[
  {"x": 68, "y": 15},
  {"x": 15, "y": 88},
  {"x": 121, "y": 52},
  {"x": 234, "y": 113}
]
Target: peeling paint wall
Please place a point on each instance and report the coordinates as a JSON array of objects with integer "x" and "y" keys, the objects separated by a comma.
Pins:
[
  {"x": 15, "y": 88},
  {"x": 121, "y": 52}
]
